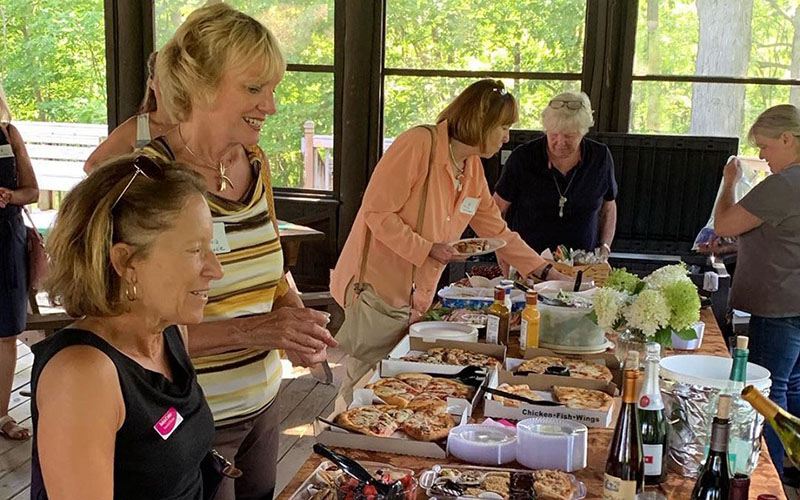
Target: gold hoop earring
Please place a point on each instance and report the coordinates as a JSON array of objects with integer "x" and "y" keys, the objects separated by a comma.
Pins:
[{"x": 130, "y": 292}]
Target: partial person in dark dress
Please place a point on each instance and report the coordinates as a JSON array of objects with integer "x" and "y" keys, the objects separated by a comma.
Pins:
[
  {"x": 560, "y": 189},
  {"x": 17, "y": 188},
  {"x": 117, "y": 410}
]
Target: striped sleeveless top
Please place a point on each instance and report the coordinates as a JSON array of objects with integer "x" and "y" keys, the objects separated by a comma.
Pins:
[{"x": 241, "y": 383}]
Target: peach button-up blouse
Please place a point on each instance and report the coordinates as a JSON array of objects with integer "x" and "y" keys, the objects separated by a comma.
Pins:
[{"x": 390, "y": 207}]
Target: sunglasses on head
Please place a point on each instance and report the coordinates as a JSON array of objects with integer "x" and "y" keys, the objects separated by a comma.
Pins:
[
  {"x": 144, "y": 165},
  {"x": 501, "y": 90},
  {"x": 571, "y": 105}
]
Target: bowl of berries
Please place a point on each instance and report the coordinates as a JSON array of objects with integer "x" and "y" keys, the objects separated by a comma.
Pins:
[{"x": 401, "y": 485}]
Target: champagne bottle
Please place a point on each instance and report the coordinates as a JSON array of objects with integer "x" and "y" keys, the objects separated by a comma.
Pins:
[
  {"x": 497, "y": 318},
  {"x": 786, "y": 426},
  {"x": 714, "y": 480},
  {"x": 529, "y": 327},
  {"x": 624, "y": 474},
  {"x": 652, "y": 421},
  {"x": 739, "y": 448}
]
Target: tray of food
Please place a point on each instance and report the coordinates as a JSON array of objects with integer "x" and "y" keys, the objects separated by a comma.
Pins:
[
  {"x": 554, "y": 365},
  {"x": 407, "y": 390},
  {"x": 452, "y": 356},
  {"x": 576, "y": 398},
  {"x": 328, "y": 482},
  {"x": 457, "y": 482},
  {"x": 477, "y": 246}
]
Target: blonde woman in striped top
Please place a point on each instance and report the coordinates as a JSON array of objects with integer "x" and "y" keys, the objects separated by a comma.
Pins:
[{"x": 218, "y": 74}]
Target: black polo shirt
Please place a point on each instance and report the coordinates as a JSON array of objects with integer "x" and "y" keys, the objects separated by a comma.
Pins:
[{"x": 529, "y": 185}]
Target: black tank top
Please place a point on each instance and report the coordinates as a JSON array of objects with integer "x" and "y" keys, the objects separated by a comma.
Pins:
[{"x": 146, "y": 465}]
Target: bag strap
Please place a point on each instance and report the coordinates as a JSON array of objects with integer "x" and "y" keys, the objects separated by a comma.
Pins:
[
  {"x": 420, "y": 217},
  {"x": 33, "y": 224}
]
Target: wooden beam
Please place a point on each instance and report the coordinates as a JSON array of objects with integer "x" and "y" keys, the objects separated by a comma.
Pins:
[{"x": 129, "y": 42}]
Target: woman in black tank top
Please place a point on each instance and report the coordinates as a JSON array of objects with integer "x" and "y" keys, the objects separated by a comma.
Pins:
[{"x": 117, "y": 411}]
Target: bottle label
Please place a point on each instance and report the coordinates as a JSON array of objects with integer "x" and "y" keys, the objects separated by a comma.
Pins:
[
  {"x": 492, "y": 329},
  {"x": 650, "y": 402},
  {"x": 653, "y": 455},
  {"x": 523, "y": 335},
  {"x": 615, "y": 488}
]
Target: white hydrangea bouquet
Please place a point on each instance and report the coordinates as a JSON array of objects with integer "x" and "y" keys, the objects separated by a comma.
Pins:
[{"x": 666, "y": 301}]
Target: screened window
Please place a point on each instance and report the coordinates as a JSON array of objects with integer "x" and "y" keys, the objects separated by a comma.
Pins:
[
  {"x": 298, "y": 140},
  {"x": 436, "y": 49},
  {"x": 709, "y": 67}
]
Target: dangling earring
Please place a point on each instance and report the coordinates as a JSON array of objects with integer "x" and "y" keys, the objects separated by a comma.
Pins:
[{"x": 130, "y": 292}]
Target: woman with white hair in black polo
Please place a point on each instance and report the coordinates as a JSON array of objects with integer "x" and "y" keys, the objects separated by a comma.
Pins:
[{"x": 560, "y": 189}]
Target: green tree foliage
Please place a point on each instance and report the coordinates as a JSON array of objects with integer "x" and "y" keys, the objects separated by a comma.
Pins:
[
  {"x": 526, "y": 36},
  {"x": 674, "y": 35},
  {"x": 52, "y": 59}
]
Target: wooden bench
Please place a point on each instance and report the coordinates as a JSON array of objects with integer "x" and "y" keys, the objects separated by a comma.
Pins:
[{"x": 58, "y": 152}]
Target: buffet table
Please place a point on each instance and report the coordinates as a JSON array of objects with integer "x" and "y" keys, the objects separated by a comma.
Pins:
[{"x": 764, "y": 479}]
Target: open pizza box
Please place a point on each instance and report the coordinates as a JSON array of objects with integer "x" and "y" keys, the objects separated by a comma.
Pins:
[
  {"x": 604, "y": 358},
  {"x": 396, "y": 443},
  {"x": 455, "y": 406},
  {"x": 393, "y": 365},
  {"x": 544, "y": 383}
]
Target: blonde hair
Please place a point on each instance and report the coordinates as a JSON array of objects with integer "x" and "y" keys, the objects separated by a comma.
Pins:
[
  {"x": 82, "y": 278},
  {"x": 212, "y": 40},
  {"x": 775, "y": 121},
  {"x": 478, "y": 109},
  {"x": 5, "y": 111},
  {"x": 150, "y": 102},
  {"x": 563, "y": 118}
]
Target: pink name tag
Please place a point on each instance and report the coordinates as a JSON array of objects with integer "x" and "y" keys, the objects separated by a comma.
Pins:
[{"x": 167, "y": 424}]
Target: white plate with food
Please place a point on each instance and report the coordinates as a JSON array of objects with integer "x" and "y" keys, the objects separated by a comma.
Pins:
[{"x": 477, "y": 246}]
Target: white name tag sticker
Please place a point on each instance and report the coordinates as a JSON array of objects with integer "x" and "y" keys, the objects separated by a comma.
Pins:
[
  {"x": 6, "y": 151},
  {"x": 470, "y": 205},
  {"x": 219, "y": 243}
]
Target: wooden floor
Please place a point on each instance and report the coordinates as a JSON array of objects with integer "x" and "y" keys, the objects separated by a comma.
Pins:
[{"x": 302, "y": 399}]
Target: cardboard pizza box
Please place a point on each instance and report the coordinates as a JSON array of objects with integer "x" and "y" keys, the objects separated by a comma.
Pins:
[
  {"x": 393, "y": 365},
  {"x": 590, "y": 418},
  {"x": 455, "y": 406},
  {"x": 603, "y": 358}
]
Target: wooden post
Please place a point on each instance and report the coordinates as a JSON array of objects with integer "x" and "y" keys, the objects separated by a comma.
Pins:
[{"x": 309, "y": 179}]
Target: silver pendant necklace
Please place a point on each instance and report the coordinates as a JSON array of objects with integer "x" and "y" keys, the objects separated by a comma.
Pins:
[
  {"x": 562, "y": 197},
  {"x": 459, "y": 173}
]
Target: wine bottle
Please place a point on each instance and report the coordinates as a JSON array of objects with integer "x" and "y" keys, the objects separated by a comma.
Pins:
[
  {"x": 713, "y": 479},
  {"x": 652, "y": 421},
  {"x": 786, "y": 426},
  {"x": 497, "y": 317},
  {"x": 739, "y": 447},
  {"x": 624, "y": 474}
]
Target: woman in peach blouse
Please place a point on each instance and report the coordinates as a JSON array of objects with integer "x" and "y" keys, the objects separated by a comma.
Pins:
[{"x": 474, "y": 126}]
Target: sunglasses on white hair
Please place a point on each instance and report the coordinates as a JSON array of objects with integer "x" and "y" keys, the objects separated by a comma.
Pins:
[{"x": 560, "y": 103}]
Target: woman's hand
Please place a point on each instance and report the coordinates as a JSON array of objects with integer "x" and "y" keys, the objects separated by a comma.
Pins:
[
  {"x": 444, "y": 253},
  {"x": 732, "y": 172},
  {"x": 5, "y": 196},
  {"x": 296, "y": 329}
]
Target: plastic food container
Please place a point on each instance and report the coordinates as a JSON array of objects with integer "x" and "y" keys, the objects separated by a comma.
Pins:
[
  {"x": 552, "y": 444},
  {"x": 458, "y": 297},
  {"x": 443, "y": 330},
  {"x": 328, "y": 477},
  {"x": 690, "y": 345},
  {"x": 483, "y": 444},
  {"x": 568, "y": 326}
]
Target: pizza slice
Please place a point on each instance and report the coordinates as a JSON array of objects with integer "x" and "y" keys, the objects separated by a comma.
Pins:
[
  {"x": 583, "y": 399},
  {"x": 393, "y": 391},
  {"x": 444, "y": 388},
  {"x": 371, "y": 420},
  {"x": 519, "y": 390},
  {"x": 425, "y": 403},
  {"x": 424, "y": 426},
  {"x": 416, "y": 380}
]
